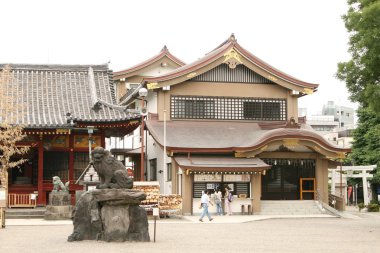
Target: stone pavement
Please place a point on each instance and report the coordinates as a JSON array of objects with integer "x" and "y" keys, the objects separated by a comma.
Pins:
[
  {"x": 224, "y": 234},
  {"x": 178, "y": 219}
]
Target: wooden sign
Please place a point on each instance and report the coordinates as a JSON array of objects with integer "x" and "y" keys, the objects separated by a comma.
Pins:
[
  {"x": 81, "y": 141},
  {"x": 208, "y": 178},
  {"x": 237, "y": 178}
]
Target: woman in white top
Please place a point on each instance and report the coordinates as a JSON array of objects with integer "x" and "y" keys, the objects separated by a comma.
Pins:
[{"x": 228, "y": 200}]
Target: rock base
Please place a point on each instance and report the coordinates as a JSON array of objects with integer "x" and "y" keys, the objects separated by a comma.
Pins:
[
  {"x": 58, "y": 212},
  {"x": 59, "y": 207},
  {"x": 111, "y": 215}
]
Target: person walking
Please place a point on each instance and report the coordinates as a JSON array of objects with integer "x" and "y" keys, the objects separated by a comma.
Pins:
[
  {"x": 228, "y": 200},
  {"x": 218, "y": 201},
  {"x": 205, "y": 201}
]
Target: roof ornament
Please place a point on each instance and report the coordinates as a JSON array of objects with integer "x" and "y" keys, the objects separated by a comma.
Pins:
[
  {"x": 232, "y": 59},
  {"x": 91, "y": 83},
  {"x": 232, "y": 37},
  {"x": 165, "y": 49}
]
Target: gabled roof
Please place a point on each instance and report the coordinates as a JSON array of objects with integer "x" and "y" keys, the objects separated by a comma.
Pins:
[
  {"x": 229, "y": 50},
  {"x": 163, "y": 53},
  {"x": 49, "y": 92}
]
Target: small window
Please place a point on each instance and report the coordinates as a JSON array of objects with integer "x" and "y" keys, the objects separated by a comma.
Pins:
[
  {"x": 153, "y": 169},
  {"x": 169, "y": 172}
]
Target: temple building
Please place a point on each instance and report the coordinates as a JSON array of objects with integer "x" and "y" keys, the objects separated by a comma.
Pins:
[
  {"x": 229, "y": 120},
  {"x": 63, "y": 107}
]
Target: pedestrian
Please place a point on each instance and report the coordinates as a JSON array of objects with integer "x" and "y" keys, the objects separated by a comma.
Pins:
[
  {"x": 228, "y": 200},
  {"x": 205, "y": 201},
  {"x": 218, "y": 201}
]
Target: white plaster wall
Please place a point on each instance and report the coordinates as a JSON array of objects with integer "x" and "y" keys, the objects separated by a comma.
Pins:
[{"x": 155, "y": 151}]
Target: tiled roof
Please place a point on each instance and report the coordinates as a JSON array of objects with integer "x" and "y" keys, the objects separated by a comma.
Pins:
[
  {"x": 49, "y": 92},
  {"x": 218, "y": 52},
  {"x": 219, "y": 162},
  {"x": 231, "y": 136},
  {"x": 164, "y": 52}
]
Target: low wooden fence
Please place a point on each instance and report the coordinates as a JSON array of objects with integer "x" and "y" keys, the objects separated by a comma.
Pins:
[{"x": 21, "y": 200}]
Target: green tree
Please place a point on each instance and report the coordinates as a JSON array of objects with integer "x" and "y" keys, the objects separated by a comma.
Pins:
[
  {"x": 362, "y": 77},
  {"x": 362, "y": 72}
]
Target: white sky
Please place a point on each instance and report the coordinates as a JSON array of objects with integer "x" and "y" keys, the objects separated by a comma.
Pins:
[{"x": 304, "y": 38}]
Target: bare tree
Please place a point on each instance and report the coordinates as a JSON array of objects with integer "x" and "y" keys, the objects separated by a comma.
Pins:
[{"x": 11, "y": 133}]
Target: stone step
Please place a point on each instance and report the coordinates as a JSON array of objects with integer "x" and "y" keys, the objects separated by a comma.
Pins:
[
  {"x": 296, "y": 207},
  {"x": 25, "y": 213}
]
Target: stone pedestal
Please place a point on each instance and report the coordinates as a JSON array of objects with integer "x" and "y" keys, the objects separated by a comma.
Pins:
[
  {"x": 59, "y": 207},
  {"x": 111, "y": 215}
]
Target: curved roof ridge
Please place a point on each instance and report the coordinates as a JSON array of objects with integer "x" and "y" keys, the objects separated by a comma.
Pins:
[
  {"x": 164, "y": 52},
  {"x": 272, "y": 69},
  {"x": 230, "y": 39},
  {"x": 295, "y": 133},
  {"x": 231, "y": 42},
  {"x": 213, "y": 55}
]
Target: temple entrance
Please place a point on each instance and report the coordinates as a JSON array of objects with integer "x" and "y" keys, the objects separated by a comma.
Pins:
[{"x": 282, "y": 181}]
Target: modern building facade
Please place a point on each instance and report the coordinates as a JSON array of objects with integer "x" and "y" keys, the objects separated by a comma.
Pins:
[
  {"x": 342, "y": 114},
  {"x": 230, "y": 120}
]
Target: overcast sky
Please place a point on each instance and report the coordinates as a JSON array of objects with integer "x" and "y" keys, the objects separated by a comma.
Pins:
[{"x": 303, "y": 38}]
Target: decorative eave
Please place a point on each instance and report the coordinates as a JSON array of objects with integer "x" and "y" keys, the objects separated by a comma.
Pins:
[
  {"x": 304, "y": 138},
  {"x": 231, "y": 53},
  {"x": 221, "y": 164},
  {"x": 288, "y": 136},
  {"x": 145, "y": 64}
]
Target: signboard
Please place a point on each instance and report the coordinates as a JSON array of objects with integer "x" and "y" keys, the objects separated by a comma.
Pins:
[
  {"x": 208, "y": 178},
  {"x": 156, "y": 211},
  {"x": 237, "y": 178},
  {"x": 81, "y": 141},
  {"x": 2, "y": 198}
]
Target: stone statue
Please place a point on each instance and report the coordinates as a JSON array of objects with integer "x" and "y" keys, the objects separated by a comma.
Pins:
[
  {"x": 59, "y": 186},
  {"x": 111, "y": 212},
  {"x": 112, "y": 172},
  {"x": 59, "y": 206}
]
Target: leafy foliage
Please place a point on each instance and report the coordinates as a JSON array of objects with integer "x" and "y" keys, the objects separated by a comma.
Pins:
[
  {"x": 362, "y": 77},
  {"x": 362, "y": 72},
  {"x": 366, "y": 145},
  {"x": 10, "y": 134}
]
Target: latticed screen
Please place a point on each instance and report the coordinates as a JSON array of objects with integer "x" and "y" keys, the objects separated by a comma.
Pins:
[{"x": 229, "y": 108}]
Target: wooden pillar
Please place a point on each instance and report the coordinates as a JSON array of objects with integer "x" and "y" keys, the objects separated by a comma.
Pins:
[
  {"x": 103, "y": 138},
  {"x": 321, "y": 177},
  {"x": 187, "y": 194},
  {"x": 41, "y": 194},
  {"x": 256, "y": 192},
  {"x": 71, "y": 157},
  {"x": 175, "y": 177}
]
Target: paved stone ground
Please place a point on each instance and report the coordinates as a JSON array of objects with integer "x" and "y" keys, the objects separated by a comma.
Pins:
[{"x": 360, "y": 234}]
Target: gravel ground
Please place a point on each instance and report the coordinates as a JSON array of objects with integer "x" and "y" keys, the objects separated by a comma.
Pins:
[{"x": 274, "y": 235}]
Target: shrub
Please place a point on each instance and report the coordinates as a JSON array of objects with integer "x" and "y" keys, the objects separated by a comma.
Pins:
[
  {"x": 361, "y": 206},
  {"x": 373, "y": 207}
]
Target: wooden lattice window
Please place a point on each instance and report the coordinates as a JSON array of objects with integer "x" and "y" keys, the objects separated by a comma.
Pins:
[{"x": 227, "y": 108}]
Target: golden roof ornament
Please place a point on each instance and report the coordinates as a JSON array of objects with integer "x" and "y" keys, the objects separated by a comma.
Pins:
[{"x": 232, "y": 59}]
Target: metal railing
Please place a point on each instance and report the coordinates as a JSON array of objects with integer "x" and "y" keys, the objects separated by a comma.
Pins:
[{"x": 21, "y": 200}]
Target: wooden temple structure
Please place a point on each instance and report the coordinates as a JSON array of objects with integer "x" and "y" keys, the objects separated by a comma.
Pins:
[{"x": 59, "y": 103}]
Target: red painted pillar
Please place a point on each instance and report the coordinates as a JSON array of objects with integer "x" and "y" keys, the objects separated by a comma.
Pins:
[
  {"x": 103, "y": 138},
  {"x": 41, "y": 195},
  {"x": 71, "y": 157}
]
